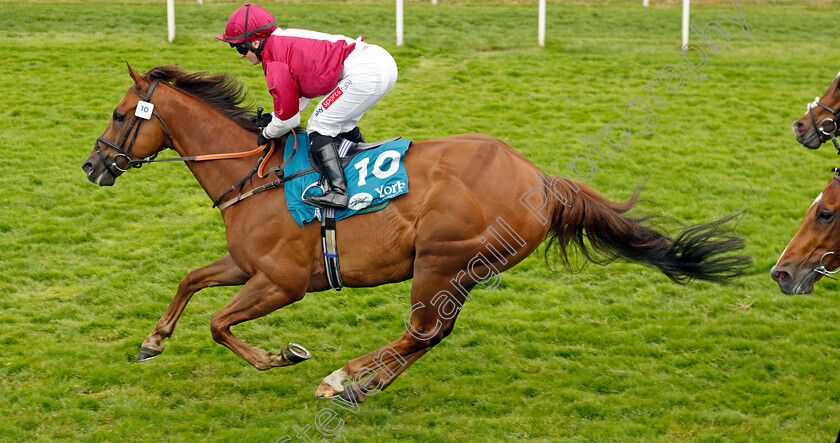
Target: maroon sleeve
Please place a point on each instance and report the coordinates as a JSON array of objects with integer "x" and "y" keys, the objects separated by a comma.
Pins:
[{"x": 283, "y": 88}]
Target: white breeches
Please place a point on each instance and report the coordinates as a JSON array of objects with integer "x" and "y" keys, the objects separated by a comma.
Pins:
[{"x": 369, "y": 73}]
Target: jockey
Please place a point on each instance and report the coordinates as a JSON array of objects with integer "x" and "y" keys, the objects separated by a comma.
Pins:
[{"x": 300, "y": 65}]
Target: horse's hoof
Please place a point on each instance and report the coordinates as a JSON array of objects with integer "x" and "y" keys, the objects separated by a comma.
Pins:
[
  {"x": 295, "y": 353},
  {"x": 352, "y": 394},
  {"x": 333, "y": 384},
  {"x": 147, "y": 354},
  {"x": 326, "y": 391}
]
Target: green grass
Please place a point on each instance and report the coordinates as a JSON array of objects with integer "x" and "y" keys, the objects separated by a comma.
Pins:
[{"x": 615, "y": 353}]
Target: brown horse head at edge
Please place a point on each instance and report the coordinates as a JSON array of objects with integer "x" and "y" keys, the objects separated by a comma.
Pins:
[
  {"x": 819, "y": 124},
  {"x": 812, "y": 253}
]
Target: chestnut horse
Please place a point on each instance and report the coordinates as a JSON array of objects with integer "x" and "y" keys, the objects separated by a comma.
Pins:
[
  {"x": 820, "y": 122},
  {"x": 476, "y": 208},
  {"x": 812, "y": 252}
]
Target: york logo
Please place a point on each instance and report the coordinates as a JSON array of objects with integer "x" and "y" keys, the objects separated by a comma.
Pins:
[{"x": 386, "y": 191}]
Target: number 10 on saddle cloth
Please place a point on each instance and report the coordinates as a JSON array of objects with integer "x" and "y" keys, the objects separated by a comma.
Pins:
[{"x": 373, "y": 176}]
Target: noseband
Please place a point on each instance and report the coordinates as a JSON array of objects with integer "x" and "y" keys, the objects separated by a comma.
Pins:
[
  {"x": 134, "y": 126},
  {"x": 832, "y": 120}
]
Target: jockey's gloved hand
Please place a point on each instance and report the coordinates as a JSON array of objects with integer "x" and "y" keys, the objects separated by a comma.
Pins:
[
  {"x": 262, "y": 139},
  {"x": 261, "y": 120}
]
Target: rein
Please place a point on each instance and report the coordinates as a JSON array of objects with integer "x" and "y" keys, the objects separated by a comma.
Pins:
[
  {"x": 259, "y": 169},
  {"x": 832, "y": 120}
]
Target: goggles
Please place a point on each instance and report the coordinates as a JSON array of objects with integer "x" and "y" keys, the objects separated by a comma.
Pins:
[{"x": 241, "y": 48}]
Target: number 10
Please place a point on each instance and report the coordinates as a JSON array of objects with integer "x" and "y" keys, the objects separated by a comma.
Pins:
[{"x": 362, "y": 166}]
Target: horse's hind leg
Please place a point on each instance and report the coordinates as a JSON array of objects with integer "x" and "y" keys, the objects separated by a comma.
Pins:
[
  {"x": 222, "y": 272},
  {"x": 435, "y": 305},
  {"x": 369, "y": 374},
  {"x": 259, "y": 296}
]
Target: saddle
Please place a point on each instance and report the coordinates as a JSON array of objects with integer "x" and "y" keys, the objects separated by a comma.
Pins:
[
  {"x": 346, "y": 152},
  {"x": 374, "y": 174}
]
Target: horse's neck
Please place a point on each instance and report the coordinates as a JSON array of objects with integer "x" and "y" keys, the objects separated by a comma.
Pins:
[{"x": 198, "y": 130}]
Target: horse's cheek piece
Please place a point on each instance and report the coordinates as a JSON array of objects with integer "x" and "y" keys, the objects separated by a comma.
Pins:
[{"x": 832, "y": 120}]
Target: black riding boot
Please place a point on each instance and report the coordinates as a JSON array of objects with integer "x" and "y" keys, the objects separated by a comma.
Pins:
[
  {"x": 327, "y": 155},
  {"x": 354, "y": 135}
]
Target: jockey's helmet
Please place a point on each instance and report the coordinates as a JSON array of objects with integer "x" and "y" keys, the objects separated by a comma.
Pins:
[{"x": 247, "y": 24}]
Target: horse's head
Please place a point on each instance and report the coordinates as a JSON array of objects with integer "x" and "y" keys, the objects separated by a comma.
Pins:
[
  {"x": 813, "y": 251},
  {"x": 134, "y": 133},
  {"x": 820, "y": 122}
]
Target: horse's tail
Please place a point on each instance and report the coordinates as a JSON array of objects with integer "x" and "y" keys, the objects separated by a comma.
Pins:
[{"x": 597, "y": 227}]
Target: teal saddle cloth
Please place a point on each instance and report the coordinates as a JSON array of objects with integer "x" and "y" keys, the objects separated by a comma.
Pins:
[{"x": 373, "y": 176}]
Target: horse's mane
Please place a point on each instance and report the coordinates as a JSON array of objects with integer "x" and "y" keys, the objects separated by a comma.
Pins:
[{"x": 222, "y": 92}]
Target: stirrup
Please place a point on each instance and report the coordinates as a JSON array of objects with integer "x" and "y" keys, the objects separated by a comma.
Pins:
[{"x": 327, "y": 200}]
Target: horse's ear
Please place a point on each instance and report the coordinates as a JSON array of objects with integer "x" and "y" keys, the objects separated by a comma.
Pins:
[{"x": 142, "y": 83}]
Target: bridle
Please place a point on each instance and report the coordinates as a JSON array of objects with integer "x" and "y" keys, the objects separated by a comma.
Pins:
[
  {"x": 821, "y": 269},
  {"x": 134, "y": 126},
  {"x": 259, "y": 169},
  {"x": 835, "y": 115}
]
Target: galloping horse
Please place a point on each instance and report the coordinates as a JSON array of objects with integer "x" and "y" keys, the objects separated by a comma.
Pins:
[
  {"x": 812, "y": 252},
  {"x": 820, "y": 122},
  {"x": 476, "y": 208}
]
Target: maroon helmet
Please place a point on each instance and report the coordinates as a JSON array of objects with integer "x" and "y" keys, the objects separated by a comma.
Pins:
[{"x": 247, "y": 24}]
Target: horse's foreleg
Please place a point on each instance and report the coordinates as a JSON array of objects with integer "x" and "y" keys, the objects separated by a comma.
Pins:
[
  {"x": 222, "y": 272},
  {"x": 259, "y": 296},
  {"x": 429, "y": 320}
]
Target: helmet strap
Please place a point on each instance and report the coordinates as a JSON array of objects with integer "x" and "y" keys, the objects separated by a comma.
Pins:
[{"x": 256, "y": 50}]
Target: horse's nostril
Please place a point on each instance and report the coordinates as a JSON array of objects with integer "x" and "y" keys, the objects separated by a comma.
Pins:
[
  {"x": 781, "y": 276},
  {"x": 88, "y": 168},
  {"x": 799, "y": 127}
]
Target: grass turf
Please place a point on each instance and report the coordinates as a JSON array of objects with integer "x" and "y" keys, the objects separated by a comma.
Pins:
[{"x": 613, "y": 353}]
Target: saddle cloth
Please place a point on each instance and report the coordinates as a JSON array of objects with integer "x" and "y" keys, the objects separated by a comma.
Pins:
[{"x": 373, "y": 176}]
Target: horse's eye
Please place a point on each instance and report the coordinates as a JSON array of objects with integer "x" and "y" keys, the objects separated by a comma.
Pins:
[
  {"x": 119, "y": 118},
  {"x": 825, "y": 216}
]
